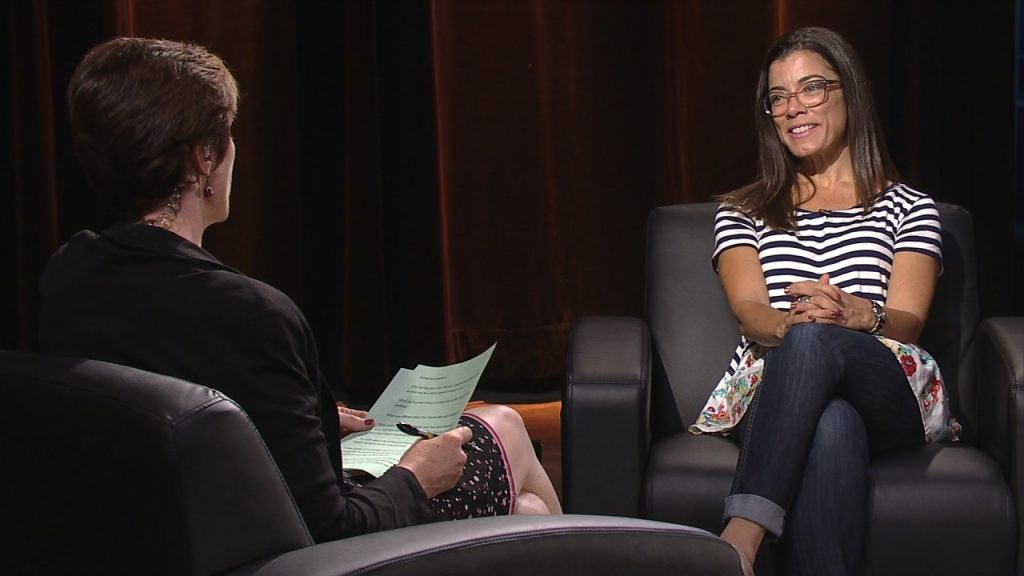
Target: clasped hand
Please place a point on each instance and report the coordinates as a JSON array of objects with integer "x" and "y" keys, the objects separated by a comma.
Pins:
[{"x": 823, "y": 303}]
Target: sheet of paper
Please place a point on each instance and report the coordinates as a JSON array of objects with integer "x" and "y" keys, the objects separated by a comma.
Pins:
[{"x": 429, "y": 397}]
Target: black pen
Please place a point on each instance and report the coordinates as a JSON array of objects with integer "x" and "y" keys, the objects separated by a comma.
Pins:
[{"x": 415, "y": 431}]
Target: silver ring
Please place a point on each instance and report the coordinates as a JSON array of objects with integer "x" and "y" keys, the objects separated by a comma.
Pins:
[{"x": 803, "y": 299}]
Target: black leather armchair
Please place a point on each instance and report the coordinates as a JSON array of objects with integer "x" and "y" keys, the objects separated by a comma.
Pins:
[
  {"x": 112, "y": 470},
  {"x": 939, "y": 509}
]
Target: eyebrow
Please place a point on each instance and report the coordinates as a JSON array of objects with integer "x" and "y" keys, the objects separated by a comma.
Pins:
[{"x": 804, "y": 80}]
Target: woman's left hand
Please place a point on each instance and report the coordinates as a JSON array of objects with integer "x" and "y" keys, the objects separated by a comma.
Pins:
[
  {"x": 352, "y": 420},
  {"x": 827, "y": 304}
]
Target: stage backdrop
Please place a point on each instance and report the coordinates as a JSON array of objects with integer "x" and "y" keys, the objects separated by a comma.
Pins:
[{"x": 426, "y": 178}]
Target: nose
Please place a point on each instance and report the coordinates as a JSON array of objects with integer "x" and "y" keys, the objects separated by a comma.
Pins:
[{"x": 794, "y": 106}]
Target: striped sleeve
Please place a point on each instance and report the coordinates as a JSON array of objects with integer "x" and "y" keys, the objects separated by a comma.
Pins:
[
  {"x": 732, "y": 229},
  {"x": 920, "y": 230}
]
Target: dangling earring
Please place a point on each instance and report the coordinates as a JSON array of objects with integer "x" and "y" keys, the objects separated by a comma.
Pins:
[{"x": 207, "y": 190}]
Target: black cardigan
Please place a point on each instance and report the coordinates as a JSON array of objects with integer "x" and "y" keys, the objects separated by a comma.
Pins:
[{"x": 145, "y": 297}]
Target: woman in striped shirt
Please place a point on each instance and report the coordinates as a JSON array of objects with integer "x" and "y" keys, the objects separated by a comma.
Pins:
[{"x": 829, "y": 264}]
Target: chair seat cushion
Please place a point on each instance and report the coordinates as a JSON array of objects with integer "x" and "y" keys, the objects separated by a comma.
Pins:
[
  {"x": 955, "y": 502},
  {"x": 688, "y": 477}
]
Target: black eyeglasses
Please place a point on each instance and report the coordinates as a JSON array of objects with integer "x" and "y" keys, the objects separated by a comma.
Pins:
[{"x": 814, "y": 93}]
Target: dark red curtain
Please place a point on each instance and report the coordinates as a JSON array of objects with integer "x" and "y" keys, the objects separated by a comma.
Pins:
[{"x": 425, "y": 178}]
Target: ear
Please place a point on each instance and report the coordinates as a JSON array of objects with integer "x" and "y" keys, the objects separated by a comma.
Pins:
[{"x": 202, "y": 159}]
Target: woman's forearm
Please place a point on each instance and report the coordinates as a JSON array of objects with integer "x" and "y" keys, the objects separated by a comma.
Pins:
[
  {"x": 760, "y": 322},
  {"x": 902, "y": 326}
]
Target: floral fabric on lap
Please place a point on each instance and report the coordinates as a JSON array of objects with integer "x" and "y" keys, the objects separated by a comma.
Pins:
[{"x": 731, "y": 397}]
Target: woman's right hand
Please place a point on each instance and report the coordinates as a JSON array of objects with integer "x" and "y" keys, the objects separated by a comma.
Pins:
[
  {"x": 795, "y": 315},
  {"x": 813, "y": 301},
  {"x": 437, "y": 463}
]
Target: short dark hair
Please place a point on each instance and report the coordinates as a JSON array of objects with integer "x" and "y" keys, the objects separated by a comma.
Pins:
[
  {"x": 770, "y": 195},
  {"x": 137, "y": 106}
]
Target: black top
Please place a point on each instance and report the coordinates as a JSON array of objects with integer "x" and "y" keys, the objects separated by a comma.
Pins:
[{"x": 145, "y": 297}]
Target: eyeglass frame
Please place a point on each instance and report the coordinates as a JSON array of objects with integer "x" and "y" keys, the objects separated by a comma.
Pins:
[{"x": 829, "y": 84}]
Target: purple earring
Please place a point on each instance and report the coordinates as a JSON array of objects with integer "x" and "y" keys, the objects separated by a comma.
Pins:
[{"x": 208, "y": 191}]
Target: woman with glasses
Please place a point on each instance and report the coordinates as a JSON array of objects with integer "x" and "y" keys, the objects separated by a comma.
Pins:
[{"x": 829, "y": 264}]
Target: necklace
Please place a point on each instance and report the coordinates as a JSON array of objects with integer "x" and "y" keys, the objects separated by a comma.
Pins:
[{"x": 168, "y": 214}]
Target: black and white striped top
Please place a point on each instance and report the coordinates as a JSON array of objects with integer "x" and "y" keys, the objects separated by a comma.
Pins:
[{"x": 854, "y": 248}]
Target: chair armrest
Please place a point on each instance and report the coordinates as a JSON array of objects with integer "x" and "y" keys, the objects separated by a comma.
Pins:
[
  {"x": 605, "y": 416},
  {"x": 1000, "y": 378},
  {"x": 536, "y": 545}
]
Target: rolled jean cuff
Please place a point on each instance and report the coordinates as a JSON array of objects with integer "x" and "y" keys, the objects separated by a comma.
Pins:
[{"x": 758, "y": 510}]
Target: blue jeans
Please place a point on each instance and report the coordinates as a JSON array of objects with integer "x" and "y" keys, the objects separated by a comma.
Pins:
[{"x": 830, "y": 399}]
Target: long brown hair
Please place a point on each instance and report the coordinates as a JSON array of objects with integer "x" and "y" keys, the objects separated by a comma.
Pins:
[
  {"x": 137, "y": 106},
  {"x": 770, "y": 195}
]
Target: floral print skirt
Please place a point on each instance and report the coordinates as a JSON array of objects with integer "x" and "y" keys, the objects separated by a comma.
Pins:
[{"x": 731, "y": 397}]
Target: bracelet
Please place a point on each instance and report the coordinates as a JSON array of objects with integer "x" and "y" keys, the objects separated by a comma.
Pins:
[{"x": 879, "y": 312}]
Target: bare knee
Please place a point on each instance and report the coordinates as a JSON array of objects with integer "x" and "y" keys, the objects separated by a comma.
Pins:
[
  {"x": 504, "y": 420},
  {"x": 530, "y": 503}
]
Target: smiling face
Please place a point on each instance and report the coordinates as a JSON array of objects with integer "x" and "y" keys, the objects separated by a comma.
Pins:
[{"x": 809, "y": 133}]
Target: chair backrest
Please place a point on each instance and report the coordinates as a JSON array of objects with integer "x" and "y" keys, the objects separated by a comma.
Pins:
[
  {"x": 113, "y": 470},
  {"x": 694, "y": 332}
]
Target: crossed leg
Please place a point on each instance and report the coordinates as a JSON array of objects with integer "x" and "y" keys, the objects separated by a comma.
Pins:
[{"x": 535, "y": 494}]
